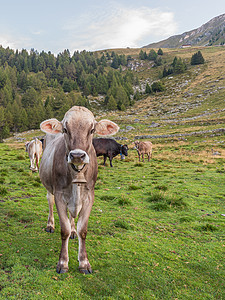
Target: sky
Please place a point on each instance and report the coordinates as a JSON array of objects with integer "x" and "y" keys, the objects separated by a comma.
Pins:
[{"x": 53, "y": 25}]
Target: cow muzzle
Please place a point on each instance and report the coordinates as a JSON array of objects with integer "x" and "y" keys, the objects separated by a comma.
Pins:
[{"x": 78, "y": 159}]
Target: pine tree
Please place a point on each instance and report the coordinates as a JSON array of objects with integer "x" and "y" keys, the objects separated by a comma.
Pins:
[
  {"x": 179, "y": 66},
  {"x": 148, "y": 89},
  {"x": 115, "y": 62},
  {"x": 112, "y": 105},
  {"x": 121, "y": 98},
  {"x": 160, "y": 52},
  {"x": 197, "y": 59},
  {"x": 152, "y": 55}
]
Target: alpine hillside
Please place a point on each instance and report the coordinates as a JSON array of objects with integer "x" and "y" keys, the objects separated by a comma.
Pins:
[{"x": 210, "y": 33}]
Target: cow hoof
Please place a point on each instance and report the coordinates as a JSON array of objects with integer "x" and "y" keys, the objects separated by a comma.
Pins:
[
  {"x": 60, "y": 269},
  {"x": 85, "y": 271},
  {"x": 50, "y": 229},
  {"x": 73, "y": 235}
]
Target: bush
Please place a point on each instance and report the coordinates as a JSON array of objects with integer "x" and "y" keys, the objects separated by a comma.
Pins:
[
  {"x": 197, "y": 59},
  {"x": 157, "y": 86}
]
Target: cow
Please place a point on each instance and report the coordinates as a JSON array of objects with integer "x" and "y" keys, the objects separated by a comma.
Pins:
[
  {"x": 68, "y": 170},
  {"x": 34, "y": 149},
  {"x": 143, "y": 148},
  {"x": 109, "y": 148}
]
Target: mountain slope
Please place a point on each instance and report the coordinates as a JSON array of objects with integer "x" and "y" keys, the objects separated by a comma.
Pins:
[{"x": 211, "y": 33}]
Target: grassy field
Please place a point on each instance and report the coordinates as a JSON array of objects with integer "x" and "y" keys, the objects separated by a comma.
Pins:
[{"x": 157, "y": 228}]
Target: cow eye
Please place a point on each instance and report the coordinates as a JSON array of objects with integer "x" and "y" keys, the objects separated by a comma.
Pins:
[
  {"x": 92, "y": 131},
  {"x": 64, "y": 130}
]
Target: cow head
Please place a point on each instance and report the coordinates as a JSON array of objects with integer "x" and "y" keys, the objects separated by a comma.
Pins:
[
  {"x": 124, "y": 150},
  {"x": 136, "y": 144},
  {"x": 78, "y": 127},
  {"x": 26, "y": 146}
]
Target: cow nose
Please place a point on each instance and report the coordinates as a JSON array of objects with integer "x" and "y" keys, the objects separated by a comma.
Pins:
[{"x": 78, "y": 157}]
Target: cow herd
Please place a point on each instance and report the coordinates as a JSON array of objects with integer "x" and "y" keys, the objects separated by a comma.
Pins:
[{"x": 68, "y": 170}]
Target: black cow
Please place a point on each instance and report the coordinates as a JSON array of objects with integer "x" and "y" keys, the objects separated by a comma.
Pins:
[{"x": 109, "y": 148}]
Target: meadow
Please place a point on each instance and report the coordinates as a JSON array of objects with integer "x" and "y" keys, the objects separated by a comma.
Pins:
[{"x": 156, "y": 229}]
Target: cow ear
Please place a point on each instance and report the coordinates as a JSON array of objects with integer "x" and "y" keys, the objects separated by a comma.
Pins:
[
  {"x": 52, "y": 126},
  {"x": 106, "y": 127}
]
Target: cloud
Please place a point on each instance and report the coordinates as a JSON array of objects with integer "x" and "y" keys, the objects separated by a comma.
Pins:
[
  {"x": 6, "y": 41},
  {"x": 15, "y": 41},
  {"x": 120, "y": 27}
]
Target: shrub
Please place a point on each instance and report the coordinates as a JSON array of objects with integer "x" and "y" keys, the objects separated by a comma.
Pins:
[
  {"x": 157, "y": 86},
  {"x": 197, "y": 59}
]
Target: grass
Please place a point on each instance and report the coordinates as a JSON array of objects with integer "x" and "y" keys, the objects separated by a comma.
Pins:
[{"x": 152, "y": 234}]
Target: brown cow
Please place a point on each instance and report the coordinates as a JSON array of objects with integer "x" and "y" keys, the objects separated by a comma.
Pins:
[
  {"x": 34, "y": 149},
  {"x": 144, "y": 148},
  {"x": 68, "y": 170}
]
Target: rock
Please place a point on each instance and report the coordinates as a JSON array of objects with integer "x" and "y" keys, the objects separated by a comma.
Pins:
[
  {"x": 154, "y": 125},
  {"x": 128, "y": 128}
]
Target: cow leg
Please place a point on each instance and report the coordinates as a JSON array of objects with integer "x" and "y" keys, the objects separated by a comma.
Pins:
[
  {"x": 110, "y": 159},
  {"x": 51, "y": 223},
  {"x": 73, "y": 230},
  {"x": 148, "y": 156},
  {"x": 37, "y": 161},
  {"x": 143, "y": 157},
  {"x": 62, "y": 266},
  {"x": 105, "y": 157},
  {"x": 32, "y": 162},
  {"x": 35, "y": 168},
  {"x": 139, "y": 155},
  {"x": 84, "y": 265}
]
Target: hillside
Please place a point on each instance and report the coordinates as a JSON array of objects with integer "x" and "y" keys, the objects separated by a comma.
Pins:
[
  {"x": 211, "y": 33},
  {"x": 192, "y": 104},
  {"x": 195, "y": 96}
]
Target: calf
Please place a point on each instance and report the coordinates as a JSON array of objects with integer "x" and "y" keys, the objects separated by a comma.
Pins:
[
  {"x": 68, "y": 170},
  {"x": 144, "y": 148},
  {"x": 109, "y": 148},
  {"x": 34, "y": 149}
]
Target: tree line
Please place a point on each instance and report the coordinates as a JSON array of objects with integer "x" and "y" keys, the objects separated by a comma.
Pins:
[{"x": 35, "y": 86}]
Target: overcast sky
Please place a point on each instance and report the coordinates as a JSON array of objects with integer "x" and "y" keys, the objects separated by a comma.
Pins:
[{"x": 53, "y": 25}]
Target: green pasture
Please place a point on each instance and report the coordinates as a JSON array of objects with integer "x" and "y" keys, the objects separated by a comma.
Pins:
[{"x": 156, "y": 230}]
